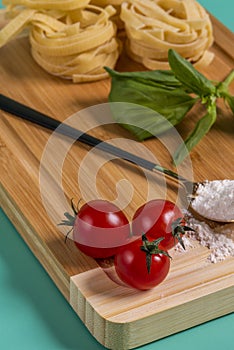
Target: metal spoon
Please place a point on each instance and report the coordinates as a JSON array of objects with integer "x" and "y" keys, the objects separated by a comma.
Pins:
[{"x": 11, "y": 106}]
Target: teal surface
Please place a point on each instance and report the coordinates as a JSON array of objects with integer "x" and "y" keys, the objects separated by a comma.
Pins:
[{"x": 35, "y": 316}]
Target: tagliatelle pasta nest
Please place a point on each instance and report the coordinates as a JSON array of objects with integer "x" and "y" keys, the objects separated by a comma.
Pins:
[
  {"x": 78, "y": 50},
  {"x": 65, "y": 5},
  {"x": 75, "y": 39},
  {"x": 71, "y": 44},
  {"x": 117, "y": 5},
  {"x": 154, "y": 26}
]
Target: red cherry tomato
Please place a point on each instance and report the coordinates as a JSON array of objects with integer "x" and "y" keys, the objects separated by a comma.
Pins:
[
  {"x": 160, "y": 218},
  {"x": 100, "y": 228},
  {"x": 131, "y": 266}
]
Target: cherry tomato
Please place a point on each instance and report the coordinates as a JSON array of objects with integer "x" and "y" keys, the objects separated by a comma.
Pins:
[
  {"x": 141, "y": 265},
  {"x": 160, "y": 218},
  {"x": 100, "y": 227}
]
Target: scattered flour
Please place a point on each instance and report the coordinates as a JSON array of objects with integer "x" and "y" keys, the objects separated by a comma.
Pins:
[
  {"x": 215, "y": 199},
  {"x": 221, "y": 245}
]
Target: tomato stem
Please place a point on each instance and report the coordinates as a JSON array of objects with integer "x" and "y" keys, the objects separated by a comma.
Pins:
[
  {"x": 178, "y": 229},
  {"x": 65, "y": 240},
  {"x": 151, "y": 248},
  {"x": 70, "y": 219},
  {"x": 75, "y": 209}
]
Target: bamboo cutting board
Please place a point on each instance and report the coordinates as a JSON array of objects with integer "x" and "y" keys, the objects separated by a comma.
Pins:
[{"x": 195, "y": 290}]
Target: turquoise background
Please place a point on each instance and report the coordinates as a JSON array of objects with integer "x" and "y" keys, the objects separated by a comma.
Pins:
[{"x": 35, "y": 316}]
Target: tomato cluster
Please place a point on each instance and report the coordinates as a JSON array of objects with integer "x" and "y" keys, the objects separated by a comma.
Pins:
[{"x": 101, "y": 230}]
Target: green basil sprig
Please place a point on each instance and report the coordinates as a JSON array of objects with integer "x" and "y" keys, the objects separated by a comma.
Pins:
[{"x": 166, "y": 96}]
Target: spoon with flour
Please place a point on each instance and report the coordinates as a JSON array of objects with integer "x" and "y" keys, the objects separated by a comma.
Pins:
[{"x": 212, "y": 201}]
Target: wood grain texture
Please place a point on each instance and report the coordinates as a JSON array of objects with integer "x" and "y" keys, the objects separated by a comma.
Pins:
[{"x": 120, "y": 318}]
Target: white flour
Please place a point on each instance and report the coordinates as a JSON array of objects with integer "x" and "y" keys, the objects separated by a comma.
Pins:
[
  {"x": 221, "y": 245},
  {"x": 215, "y": 199}
]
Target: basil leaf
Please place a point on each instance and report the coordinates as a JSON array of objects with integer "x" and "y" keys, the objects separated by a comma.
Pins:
[
  {"x": 143, "y": 122},
  {"x": 201, "y": 129},
  {"x": 189, "y": 76},
  {"x": 173, "y": 105},
  {"x": 162, "y": 78}
]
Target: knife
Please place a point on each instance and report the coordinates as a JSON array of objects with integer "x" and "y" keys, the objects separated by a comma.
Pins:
[{"x": 20, "y": 110}]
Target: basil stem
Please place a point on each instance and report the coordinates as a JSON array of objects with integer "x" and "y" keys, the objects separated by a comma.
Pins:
[
  {"x": 222, "y": 90},
  {"x": 201, "y": 129},
  {"x": 189, "y": 76},
  {"x": 230, "y": 101}
]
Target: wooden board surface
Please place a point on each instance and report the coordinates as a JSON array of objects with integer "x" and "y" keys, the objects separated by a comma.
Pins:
[{"x": 120, "y": 318}]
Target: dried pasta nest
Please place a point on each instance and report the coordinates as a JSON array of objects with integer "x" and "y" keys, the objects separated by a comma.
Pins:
[
  {"x": 65, "y": 5},
  {"x": 72, "y": 44},
  {"x": 117, "y": 5},
  {"x": 154, "y": 26},
  {"x": 80, "y": 47},
  {"x": 75, "y": 39}
]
